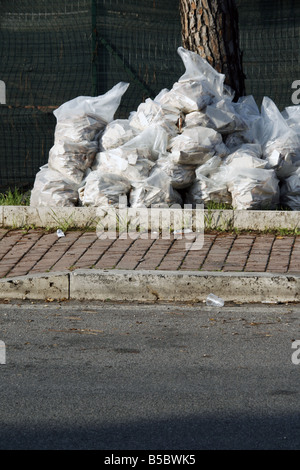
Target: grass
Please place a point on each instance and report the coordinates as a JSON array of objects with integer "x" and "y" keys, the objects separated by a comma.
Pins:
[{"x": 14, "y": 198}]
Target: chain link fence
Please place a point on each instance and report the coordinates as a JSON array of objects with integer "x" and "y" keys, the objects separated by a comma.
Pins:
[{"x": 55, "y": 50}]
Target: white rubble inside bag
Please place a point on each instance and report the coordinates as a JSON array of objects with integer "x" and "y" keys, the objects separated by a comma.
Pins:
[
  {"x": 206, "y": 189},
  {"x": 194, "y": 146},
  {"x": 104, "y": 190},
  {"x": 51, "y": 189},
  {"x": 223, "y": 117},
  {"x": 154, "y": 191},
  {"x": 186, "y": 97},
  {"x": 79, "y": 124},
  {"x": 290, "y": 191},
  {"x": 273, "y": 132},
  {"x": 254, "y": 188},
  {"x": 151, "y": 112},
  {"x": 134, "y": 164},
  {"x": 182, "y": 176},
  {"x": 247, "y": 156},
  {"x": 194, "y": 119},
  {"x": 152, "y": 142},
  {"x": 116, "y": 134},
  {"x": 72, "y": 159},
  {"x": 210, "y": 167}
]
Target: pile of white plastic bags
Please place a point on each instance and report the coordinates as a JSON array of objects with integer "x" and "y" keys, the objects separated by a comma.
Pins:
[{"x": 191, "y": 144}]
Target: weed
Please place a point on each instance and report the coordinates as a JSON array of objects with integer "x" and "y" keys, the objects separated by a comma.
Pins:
[{"x": 14, "y": 198}]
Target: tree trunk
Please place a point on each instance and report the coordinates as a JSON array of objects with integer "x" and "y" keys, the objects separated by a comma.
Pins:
[{"x": 210, "y": 28}]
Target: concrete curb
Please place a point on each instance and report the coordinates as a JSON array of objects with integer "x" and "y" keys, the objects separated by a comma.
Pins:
[
  {"x": 149, "y": 286},
  {"x": 88, "y": 217}
]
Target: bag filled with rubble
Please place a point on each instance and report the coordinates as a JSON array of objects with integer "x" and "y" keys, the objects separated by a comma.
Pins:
[
  {"x": 79, "y": 125},
  {"x": 51, "y": 189},
  {"x": 104, "y": 190}
]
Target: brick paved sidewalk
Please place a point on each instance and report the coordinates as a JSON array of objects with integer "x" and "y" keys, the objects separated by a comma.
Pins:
[{"x": 36, "y": 251}]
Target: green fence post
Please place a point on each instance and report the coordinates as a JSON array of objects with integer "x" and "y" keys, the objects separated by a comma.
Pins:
[{"x": 94, "y": 48}]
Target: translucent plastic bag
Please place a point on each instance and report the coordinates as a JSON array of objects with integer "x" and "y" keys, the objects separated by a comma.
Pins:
[
  {"x": 134, "y": 164},
  {"x": 51, "y": 189},
  {"x": 72, "y": 159},
  {"x": 116, "y": 134},
  {"x": 198, "y": 69},
  {"x": 182, "y": 176},
  {"x": 210, "y": 167},
  {"x": 195, "y": 146},
  {"x": 104, "y": 189},
  {"x": 153, "y": 113},
  {"x": 79, "y": 124},
  {"x": 247, "y": 156},
  {"x": 273, "y": 133},
  {"x": 186, "y": 97},
  {"x": 153, "y": 140},
  {"x": 102, "y": 107},
  {"x": 155, "y": 191},
  {"x": 290, "y": 191},
  {"x": 254, "y": 188},
  {"x": 196, "y": 118},
  {"x": 208, "y": 189},
  {"x": 224, "y": 118}
]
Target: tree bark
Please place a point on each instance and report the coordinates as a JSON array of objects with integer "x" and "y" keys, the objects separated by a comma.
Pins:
[{"x": 211, "y": 28}]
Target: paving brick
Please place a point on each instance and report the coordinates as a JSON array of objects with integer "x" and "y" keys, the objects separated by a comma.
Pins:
[
  {"x": 135, "y": 254},
  {"x": 57, "y": 250},
  {"x": 17, "y": 251},
  {"x": 155, "y": 254},
  {"x": 218, "y": 253},
  {"x": 195, "y": 258},
  {"x": 280, "y": 256},
  {"x": 114, "y": 253},
  {"x": 30, "y": 259},
  {"x": 239, "y": 253},
  {"x": 72, "y": 255},
  {"x": 259, "y": 256}
]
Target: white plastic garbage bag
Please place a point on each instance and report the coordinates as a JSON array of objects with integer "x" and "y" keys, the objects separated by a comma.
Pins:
[
  {"x": 153, "y": 140},
  {"x": 72, "y": 159},
  {"x": 224, "y": 118},
  {"x": 186, "y": 97},
  {"x": 273, "y": 132},
  {"x": 254, "y": 188},
  {"x": 104, "y": 189},
  {"x": 210, "y": 167},
  {"x": 290, "y": 191},
  {"x": 151, "y": 112},
  {"x": 247, "y": 156},
  {"x": 182, "y": 176},
  {"x": 79, "y": 124},
  {"x": 195, "y": 145},
  {"x": 116, "y": 134},
  {"x": 134, "y": 164},
  {"x": 207, "y": 189},
  {"x": 102, "y": 107},
  {"x": 196, "y": 118},
  {"x": 198, "y": 69},
  {"x": 155, "y": 191},
  {"x": 51, "y": 189}
]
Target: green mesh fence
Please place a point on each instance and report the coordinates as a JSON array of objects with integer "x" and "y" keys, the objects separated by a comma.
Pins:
[
  {"x": 270, "y": 41},
  {"x": 54, "y": 50}
]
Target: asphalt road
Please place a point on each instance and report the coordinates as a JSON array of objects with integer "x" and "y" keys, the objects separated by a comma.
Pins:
[{"x": 153, "y": 377}]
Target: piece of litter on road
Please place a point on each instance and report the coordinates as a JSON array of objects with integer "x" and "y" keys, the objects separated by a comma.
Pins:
[
  {"x": 214, "y": 301},
  {"x": 60, "y": 233}
]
